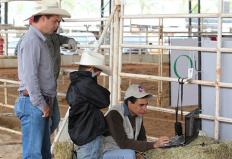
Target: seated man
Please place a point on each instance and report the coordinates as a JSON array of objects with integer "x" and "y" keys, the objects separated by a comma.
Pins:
[{"x": 125, "y": 123}]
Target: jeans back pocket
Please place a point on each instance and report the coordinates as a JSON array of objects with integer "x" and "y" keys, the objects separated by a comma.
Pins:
[{"x": 20, "y": 107}]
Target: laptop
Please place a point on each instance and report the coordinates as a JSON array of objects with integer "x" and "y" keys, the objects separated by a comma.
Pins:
[{"x": 192, "y": 127}]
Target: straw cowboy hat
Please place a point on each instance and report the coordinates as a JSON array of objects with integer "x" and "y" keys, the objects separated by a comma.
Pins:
[
  {"x": 49, "y": 7},
  {"x": 94, "y": 59}
]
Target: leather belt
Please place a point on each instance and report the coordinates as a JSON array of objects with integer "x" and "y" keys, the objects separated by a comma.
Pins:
[{"x": 47, "y": 99}]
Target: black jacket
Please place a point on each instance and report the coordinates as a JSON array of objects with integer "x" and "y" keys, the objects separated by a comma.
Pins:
[{"x": 85, "y": 98}]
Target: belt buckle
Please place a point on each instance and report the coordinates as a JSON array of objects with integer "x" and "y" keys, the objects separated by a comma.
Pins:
[{"x": 24, "y": 93}]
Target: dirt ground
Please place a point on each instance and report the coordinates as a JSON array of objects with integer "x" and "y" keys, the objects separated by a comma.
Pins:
[
  {"x": 10, "y": 146},
  {"x": 156, "y": 123}
]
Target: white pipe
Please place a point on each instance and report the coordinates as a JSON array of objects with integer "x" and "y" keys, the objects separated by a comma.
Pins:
[
  {"x": 11, "y": 31},
  {"x": 170, "y": 79},
  {"x": 67, "y": 70},
  {"x": 11, "y": 27},
  {"x": 111, "y": 53},
  {"x": 9, "y": 81},
  {"x": 160, "y": 66},
  {"x": 115, "y": 58},
  {"x": 218, "y": 71},
  {"x": 206, "y": 15},
  {"x": 105, "y": 30},
  {"x": 64, "y": 121},
  {"x": 7, "y": 105},
  {"x": 188, "y": 48},
  {"x": 85, "y": 20},
  {"x": 202, "y": 116},
  {"x": 10, "y": 130},
  {"x": 9, "y": 86},
  {"x": 121, "y": 22},
  {"x": 93, "y": 46}
]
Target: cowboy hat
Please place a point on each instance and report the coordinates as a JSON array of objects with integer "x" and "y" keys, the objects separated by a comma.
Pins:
[
  {"x": 49, "y": 7},
  {"x": 94, "y": 59}
]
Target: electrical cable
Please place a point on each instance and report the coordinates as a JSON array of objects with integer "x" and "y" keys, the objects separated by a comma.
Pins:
[{"x": 178, "y": 125}]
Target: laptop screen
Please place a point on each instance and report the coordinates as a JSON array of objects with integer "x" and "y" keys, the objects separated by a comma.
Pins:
[{"x": 192, "y": 125}]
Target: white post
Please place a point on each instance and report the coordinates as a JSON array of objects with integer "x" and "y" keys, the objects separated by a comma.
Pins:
[
  {"x": 105, "y": 30},
  {"x": 115, "y": 58},
  {"x": 120, "y": 51},
  {"x": 218, "y": 71},
  {"x": 111, "y": 53},
  {"x": 160, "y": 67}
]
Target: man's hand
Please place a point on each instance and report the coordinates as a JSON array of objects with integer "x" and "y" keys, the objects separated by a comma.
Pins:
[
  {"x": 46, "y": 111},
  {"x": 72, "y": 44},
  {"x": 161, "y": 142}
]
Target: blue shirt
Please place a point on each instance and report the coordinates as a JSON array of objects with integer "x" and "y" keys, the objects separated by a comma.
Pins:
[{"x": 35, "y": 70}]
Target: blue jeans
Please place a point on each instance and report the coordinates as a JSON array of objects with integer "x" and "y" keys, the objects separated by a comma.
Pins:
[
  {"x": 91, "y": 150},
  {"x": 119, "y": 154},
  {"x": 55, "y": 118},
  {"x": 36, "y": 142}
]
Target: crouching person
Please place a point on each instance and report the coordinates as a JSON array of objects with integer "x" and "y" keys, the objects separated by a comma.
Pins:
[
  {"x": 125, "y": 123},
  {"x": 85, "y": 98}
]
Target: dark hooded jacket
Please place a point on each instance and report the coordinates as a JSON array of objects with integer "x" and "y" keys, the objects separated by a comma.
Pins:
[{"x": 85, "y": 98}]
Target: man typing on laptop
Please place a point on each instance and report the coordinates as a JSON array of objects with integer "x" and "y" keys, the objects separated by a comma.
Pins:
[{"x": 125, "y": 122}]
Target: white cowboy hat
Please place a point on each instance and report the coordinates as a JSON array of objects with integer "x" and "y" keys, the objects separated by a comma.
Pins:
[
  {"x": 49, "y": 7},
  {"x": 94, "y": 59}
]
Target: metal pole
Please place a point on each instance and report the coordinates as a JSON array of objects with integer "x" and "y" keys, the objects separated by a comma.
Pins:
[
  {"x": 6, "y": 13},
  {"x": 218, "y": 70},
  {"x": 202, "y": 116},
  {"x": 171, "y": 79},
  {"x": 199, "y": 55},
  {"x": 102, "y": 15},
  {"x": 110, "y": 4},
  {"x": 189, "y": 48},
  {"x": 105, "y": 30},
  {"x": 115, "y": 57},
  {"x": 57, "y": 137},
  {"x": 10, "y": 130},
  {"x": 160, "y": 66},
  {"x": 86, "y": 20},
  {"x": 111, "y": 53},
  {"x": 190, "y": 19},
  {"x": 148, "y": 16},
  {"x": 121, "y": 23},
  {"x": 6, "y": 22}
]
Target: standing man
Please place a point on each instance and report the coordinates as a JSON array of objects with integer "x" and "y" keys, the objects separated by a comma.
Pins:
[
  {"x": 125, "y": 123},
  {"x": 54, "y": 42},
  {"x": 85, "y": 98},
  {"x": 37, "y": 83}
]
